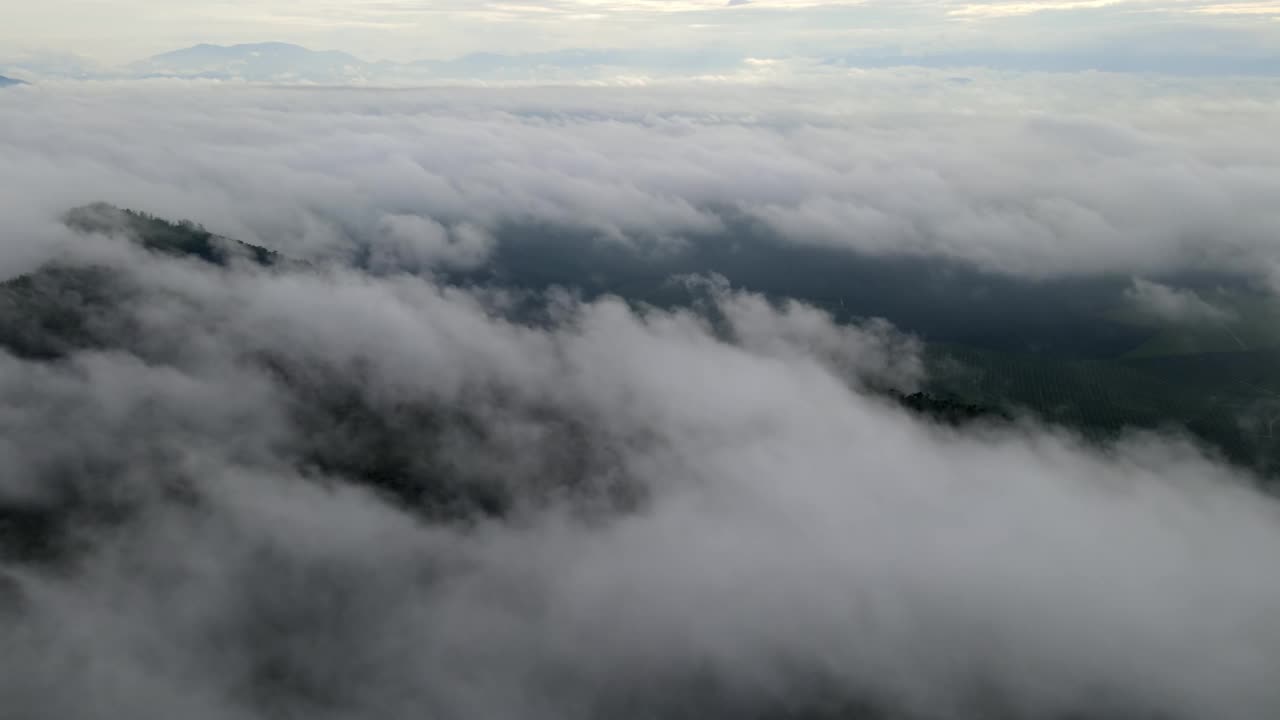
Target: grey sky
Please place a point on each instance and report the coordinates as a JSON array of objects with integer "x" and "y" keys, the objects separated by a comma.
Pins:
[{"x": 115, "y": 31}]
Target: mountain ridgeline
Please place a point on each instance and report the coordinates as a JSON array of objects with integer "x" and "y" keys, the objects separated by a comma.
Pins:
[
  {"x": 278, "y": 62},
  {"x": 257, "y": 62},
  {"x": 179, "y": 239}
]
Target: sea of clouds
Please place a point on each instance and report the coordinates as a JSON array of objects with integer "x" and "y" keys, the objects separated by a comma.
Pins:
[{"x": 707, "y": 511}]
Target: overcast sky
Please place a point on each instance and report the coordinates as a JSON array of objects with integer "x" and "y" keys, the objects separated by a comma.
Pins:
[{"x": 115, "y": 31}]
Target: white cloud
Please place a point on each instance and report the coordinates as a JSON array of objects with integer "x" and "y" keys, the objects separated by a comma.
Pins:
[
  {"x": 796, "y": 540},
  {"x": 415, "y": 243},
  {"x": 1175, "y": 305},
  {"x": 1004, "y": 172}
]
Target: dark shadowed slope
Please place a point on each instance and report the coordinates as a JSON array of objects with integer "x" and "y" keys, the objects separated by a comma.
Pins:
[{"x": 179, "y": 239}]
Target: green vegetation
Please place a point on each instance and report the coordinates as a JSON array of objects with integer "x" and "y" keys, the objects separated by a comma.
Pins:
[
  {"x": 184, "y": 238},
  {"x": 51, "y": 312},
  {"x": 60, "y": 308},
  {"x": 949, "y": 409},
  {"x": 1230, "y": 401}
]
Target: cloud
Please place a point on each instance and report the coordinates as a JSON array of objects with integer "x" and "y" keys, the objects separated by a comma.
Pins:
[
  {"x": 1175, "y": 305},
  {"x": 1002, "y": 173},
  {"x": 414, "y": 243},
  {"x": 710, "y": 511},
  {"x": 337, "y": 493}
]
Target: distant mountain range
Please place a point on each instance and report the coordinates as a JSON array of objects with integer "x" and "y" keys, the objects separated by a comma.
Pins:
[
  {"x": 8, "y": 81},
  {"x": 277, "y": 62},
  {"x": 285, "y": 63},
  {"x": 257, "y": 62},
  {"x": 658, "y": 61}
]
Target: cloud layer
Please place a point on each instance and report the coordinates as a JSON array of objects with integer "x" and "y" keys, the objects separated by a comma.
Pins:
[
  {"x": 316, "y": 491},
  {"x": 707, "y": 513},
  {"x": 1006, "y": 174}
]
